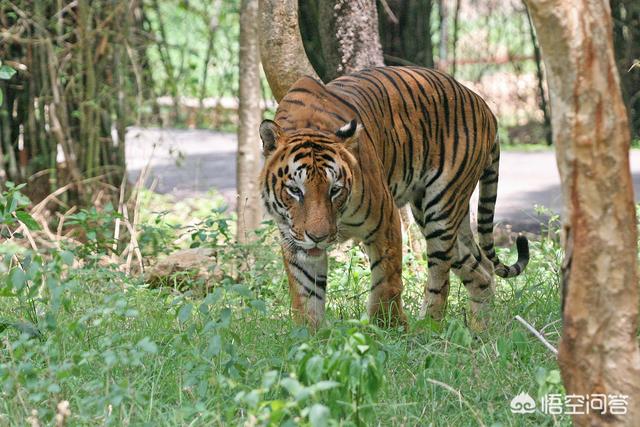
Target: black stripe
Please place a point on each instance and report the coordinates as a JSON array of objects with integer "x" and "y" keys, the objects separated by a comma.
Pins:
[
  {"x": 376, "y": 263},
  {"x": 321, "y": 283},
  {"x": 375, "y": 230}
]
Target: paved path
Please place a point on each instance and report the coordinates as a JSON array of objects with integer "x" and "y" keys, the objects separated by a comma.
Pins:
[{"x": 189, "y": 163}]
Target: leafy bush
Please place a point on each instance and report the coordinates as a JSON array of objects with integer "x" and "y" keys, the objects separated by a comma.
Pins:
[{"x": 338, "y": 376}]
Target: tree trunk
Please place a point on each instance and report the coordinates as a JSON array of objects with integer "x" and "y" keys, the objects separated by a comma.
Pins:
[
  {"x": 546, "y": 117},
  {"x": 599, "y": 348},
  {"x": 405, "y": 32},
  {"x": 282, "y": 53},
  {"x": 456, "y": 28},
  {"x": 626, "y": 41},
  {"x": 443, "y": 43},
  {"x": 349, "y": 36},
  {"x": 248, "y": 207}
]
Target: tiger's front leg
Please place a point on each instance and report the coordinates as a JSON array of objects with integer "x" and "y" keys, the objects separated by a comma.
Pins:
[
  {"x": 307, "y": 285},
  {"x": 384, "y": 249}
]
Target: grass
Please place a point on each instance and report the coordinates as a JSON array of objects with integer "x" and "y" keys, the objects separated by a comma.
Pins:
[{"x": 122, "y": 353}]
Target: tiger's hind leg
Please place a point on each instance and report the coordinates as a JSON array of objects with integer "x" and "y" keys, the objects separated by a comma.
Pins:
[{"x": 476, "y": 272}]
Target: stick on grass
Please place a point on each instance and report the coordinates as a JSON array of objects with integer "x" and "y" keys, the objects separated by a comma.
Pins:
[{"x": 537, "y": 334}]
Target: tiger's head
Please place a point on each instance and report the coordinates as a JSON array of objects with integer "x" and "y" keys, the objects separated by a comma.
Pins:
[{"x": 306, "y": 182}]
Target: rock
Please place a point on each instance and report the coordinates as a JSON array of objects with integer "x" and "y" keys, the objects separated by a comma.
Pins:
[{"x": 185, "y": 269}]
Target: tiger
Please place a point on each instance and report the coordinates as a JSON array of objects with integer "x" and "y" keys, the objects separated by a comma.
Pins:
[{"x": 341, "y": 158}]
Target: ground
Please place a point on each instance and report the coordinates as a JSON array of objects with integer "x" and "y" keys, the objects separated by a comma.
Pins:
[{"x": 189, "y": 163}]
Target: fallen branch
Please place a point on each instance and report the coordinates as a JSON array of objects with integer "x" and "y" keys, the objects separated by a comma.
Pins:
[{"x": 537, "y": 334}]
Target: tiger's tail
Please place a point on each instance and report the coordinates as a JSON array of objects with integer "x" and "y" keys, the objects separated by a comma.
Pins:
[{"x": 486, "y": 210}]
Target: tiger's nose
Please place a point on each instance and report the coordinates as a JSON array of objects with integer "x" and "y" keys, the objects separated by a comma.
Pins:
[{"x": 317, "y": 238}]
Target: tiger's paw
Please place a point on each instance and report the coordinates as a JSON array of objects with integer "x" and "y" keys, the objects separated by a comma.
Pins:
[{"x": 479, "y": 320}]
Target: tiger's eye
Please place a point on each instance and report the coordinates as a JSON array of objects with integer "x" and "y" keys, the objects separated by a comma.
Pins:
[{"x": 295, "y": 192}]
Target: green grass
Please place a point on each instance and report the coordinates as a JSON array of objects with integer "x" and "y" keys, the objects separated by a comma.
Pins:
[{"x": 124, "y": 354}]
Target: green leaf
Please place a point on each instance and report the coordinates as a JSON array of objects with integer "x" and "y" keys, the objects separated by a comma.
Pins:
[
  {"x": 313, "y": 368},
  {"x": 7, "y": 292},
  {"x": 259, "y": 305},
  {"x": 27, "y": 328},
  {"x": 18, "y": 278},
  {"x": 504, "y": 346},
  {"x": 319, "y": 415},
  {"x": 185, "y": 313},
  {"x": 6, "y": 72},
  {"x": 28, "y": 220},
  {"x": 295, "y": 389},
  {"x": 203, "y": 308},
  {"x": 213, "y": 297},
  {"x": 362, "y": 348},
  {"x": 53, "y": 388},
  {"x": 269, "y": 379},
  {"x": 225, "y": 317},
  {"x": 147, "y": 345},
  {"x": 374, "y": 381},
  {"x": 242, "y": 290},
  {"x": 541, "y": 375},
  {"x": 215, "y": 346},
  {"x": 324, "y": 385},
  {"x": 66, "y": 257},
  {"x": 554, "y": 377}
]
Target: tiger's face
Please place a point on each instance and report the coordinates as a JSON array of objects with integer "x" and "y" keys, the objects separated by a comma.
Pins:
[{"x": 306, "y": 183}]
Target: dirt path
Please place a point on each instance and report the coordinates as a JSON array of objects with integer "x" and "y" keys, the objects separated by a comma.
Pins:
[{"x": 189, "y": 163}]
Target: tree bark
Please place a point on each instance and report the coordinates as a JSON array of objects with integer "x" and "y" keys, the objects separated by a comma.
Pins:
[
  {"x": 626, "y": 41},
  {"x": 546, "y": 118},
  {"x": 248, "y": 206},
  {"x": 456, "y": 28},
  {"x": 350, "y": 38},
  {"x": 443, "y": 43},
  {"x": 599, "y": 346},
  {"x": 405, "y": 32},
  {"x": 283, "y": 57}
]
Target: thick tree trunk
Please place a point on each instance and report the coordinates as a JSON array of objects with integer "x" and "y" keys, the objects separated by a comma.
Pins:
[
  {"x": 349, "y": 36},
  {"x": 248, "y": 207},
  {"x": 443, "y": 44},
  {"x": 599, "y": 347},
  {"x": 540, "y": 76},
  {"x": 283, "y": 57},
  {"x": 626, "y": 41},
  {"x": 405, "y": 32}
]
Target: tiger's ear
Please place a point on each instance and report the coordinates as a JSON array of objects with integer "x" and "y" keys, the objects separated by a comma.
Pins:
[
  {"x": 270, "y": 132},
  {"x": 350, "y": 132}
]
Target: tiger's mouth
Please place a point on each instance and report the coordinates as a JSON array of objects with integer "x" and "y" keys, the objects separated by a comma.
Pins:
[
  {"x": 312, "y": 249},
  {"x": 314, "y": 252}
]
